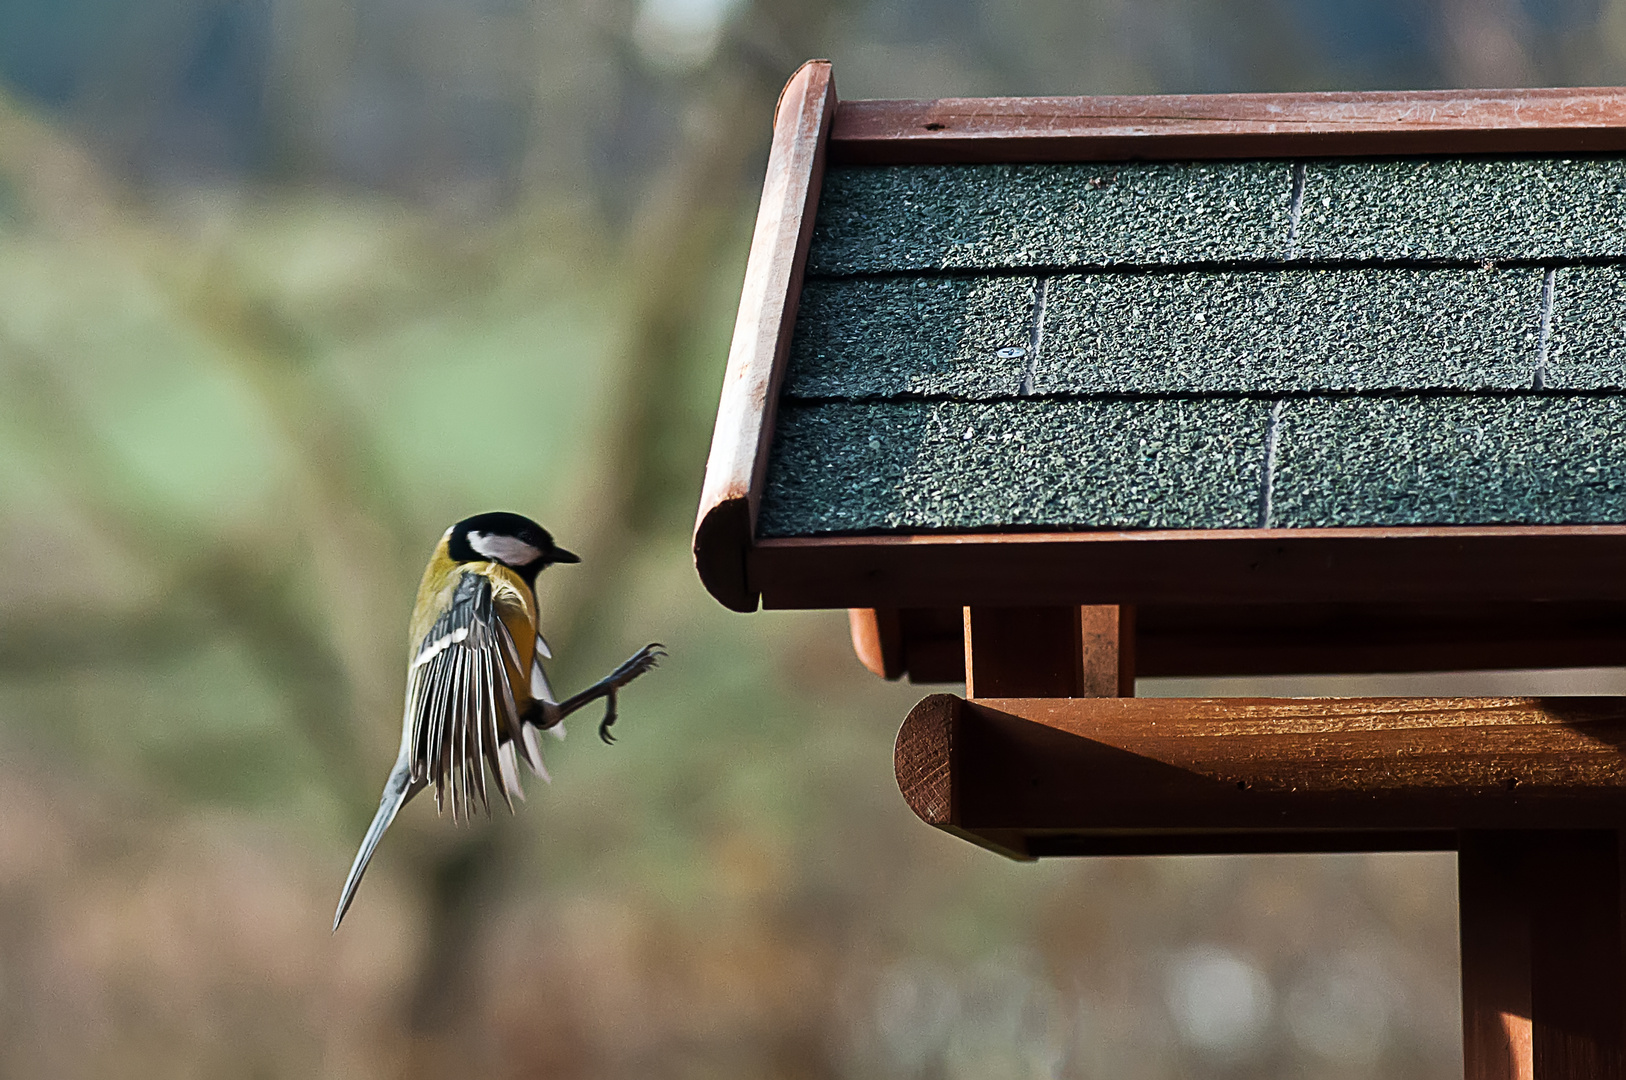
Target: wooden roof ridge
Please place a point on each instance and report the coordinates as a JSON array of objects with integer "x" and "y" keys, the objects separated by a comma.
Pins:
[
  {"x": 812, "y": 127},
  {"x": 1173, "y": 126}
]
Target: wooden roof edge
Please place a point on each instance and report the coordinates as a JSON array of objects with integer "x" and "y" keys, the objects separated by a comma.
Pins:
[
  {"x": 756, "y": 359},
  {"x": 1444, "y": 564},
  {"x": 1171, "y": 126}
]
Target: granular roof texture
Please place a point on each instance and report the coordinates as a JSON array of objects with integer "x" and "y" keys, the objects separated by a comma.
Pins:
[{"x": 1208, "y": 345}]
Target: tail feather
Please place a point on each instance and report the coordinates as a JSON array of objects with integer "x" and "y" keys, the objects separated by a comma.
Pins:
[
  {"x": 397, "y": 790},
  {"x": 533, "y": 750},
  {"x": 510, "y": 772}
]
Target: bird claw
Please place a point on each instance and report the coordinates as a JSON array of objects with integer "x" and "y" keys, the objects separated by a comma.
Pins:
[{"x": 643, "y": 660}]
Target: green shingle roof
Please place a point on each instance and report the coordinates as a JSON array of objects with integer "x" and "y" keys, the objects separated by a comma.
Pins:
[{"x": 1208, "y": 345}]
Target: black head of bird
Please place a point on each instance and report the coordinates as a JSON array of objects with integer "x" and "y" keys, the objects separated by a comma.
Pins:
[
  {"x": 477, "y": 694},
  {"x": 513, "y": 540}
]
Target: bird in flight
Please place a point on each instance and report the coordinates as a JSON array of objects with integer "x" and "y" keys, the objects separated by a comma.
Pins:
[{"x": 476, "y": 693}]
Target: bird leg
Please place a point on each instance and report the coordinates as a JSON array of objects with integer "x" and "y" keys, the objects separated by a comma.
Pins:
[{"x": 606, "y": 688}]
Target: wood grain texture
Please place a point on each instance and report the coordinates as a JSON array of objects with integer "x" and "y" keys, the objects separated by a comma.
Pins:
[
  {"x": 922, "y": 758},
  {"x": 923, "y": 761},
  {"x": 1542, "y": 963},
  {"x": 1063, "y": 771},
  {"x": 1107, "y": 651},
  {"x": 964, "y": 130},
  {"x": 756, "y": 358},
  {"x": 1432, "y": 564}
]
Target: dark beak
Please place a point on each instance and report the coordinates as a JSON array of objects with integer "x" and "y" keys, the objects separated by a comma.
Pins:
[{"x": 559, "y": 555}]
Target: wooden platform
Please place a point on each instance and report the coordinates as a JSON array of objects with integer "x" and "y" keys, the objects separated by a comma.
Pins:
[{"x": 1032, "y": 777}]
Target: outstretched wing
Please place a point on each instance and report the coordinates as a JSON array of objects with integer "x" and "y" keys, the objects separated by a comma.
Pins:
[{"x": 460, "y": 702}]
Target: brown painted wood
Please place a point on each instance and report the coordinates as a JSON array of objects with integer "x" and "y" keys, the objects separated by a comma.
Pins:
[
  {"x": 1434, "y": 564},
  {"x": 963, "y": 130},
  {"x": 1298, "y": 639},
  {"x": 767, "y": 314},
  {"x": 1049, "y": 652},
  {"x": 1107, "y": 653},
  {"x": 1063, "y": 772},
  {"x": 878, "y": 640},
  {"x": 934, "y": 643},
  {"x": 1542, "y": 963},
  {"x": 1494, "y": 927},
  {"x": 1022, "y": 652},
  {"x": 924, "y": 761},
  {"x": 1310, "y": 638}
]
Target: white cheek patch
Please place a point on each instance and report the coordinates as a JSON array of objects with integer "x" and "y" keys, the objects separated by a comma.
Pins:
[{"x": 504, "y": 549}]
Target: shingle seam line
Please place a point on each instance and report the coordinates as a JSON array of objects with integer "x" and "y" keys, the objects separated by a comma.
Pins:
[
  {"x": 1539, "y": 380},
  {"x": 1267, "y": 481},
  {"x": 1295, "y": 208},
  {"x": 1041, "y": 287}
]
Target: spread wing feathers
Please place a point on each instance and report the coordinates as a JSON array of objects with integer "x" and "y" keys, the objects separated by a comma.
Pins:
[
  {"x": 460, "y": 705},
  {"x": 542, "y": 690}
]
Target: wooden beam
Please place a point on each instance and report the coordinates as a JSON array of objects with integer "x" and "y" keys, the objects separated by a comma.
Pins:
[
  {"x": 1542, "y": 961},
  {"x": 1192, "y": 126},
  {"x": 762, "y": 330},
  {"x": 1420, "y": 564},
  {"x": 1071, "y": 776},
  {"x": 1374, "y": 637},
  {"x": 1299, "y": 639}
]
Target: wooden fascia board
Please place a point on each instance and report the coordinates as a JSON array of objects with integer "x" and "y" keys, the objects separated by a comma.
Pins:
[
  {"x": 1432, "y": 564},
  {"x": 1197, "y": 126},
  {"x": 1037, "y": 776},
  {"x": 767, "y": 314}
]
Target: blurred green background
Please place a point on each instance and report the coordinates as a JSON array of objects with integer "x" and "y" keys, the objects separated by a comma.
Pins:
[{"x": 287, "y": 286}]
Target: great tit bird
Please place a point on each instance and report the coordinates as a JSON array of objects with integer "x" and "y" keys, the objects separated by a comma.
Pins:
[{"x": 476, "y": 692}]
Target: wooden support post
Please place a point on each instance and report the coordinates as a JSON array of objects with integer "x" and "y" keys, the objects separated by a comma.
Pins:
[
  {"x": 1050, "y": 652},
  {"x": 1107, "y": 651},
  {"x": 1542, "y": 960}
]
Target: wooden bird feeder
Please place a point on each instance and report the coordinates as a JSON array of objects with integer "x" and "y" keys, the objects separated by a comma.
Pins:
[{"x": 1052, "y": 392}]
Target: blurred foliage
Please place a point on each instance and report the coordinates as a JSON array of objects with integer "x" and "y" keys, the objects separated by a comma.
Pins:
[{"x": 286, "y": 286}]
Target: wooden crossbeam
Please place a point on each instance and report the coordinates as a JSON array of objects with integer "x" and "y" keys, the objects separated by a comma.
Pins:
[
  {"x": 927, "y": 644},
  {"x": 1042, "y": 776}
]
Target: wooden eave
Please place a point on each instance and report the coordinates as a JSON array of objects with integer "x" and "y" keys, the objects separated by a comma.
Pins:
[{"x": 1398, "y": 566}]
